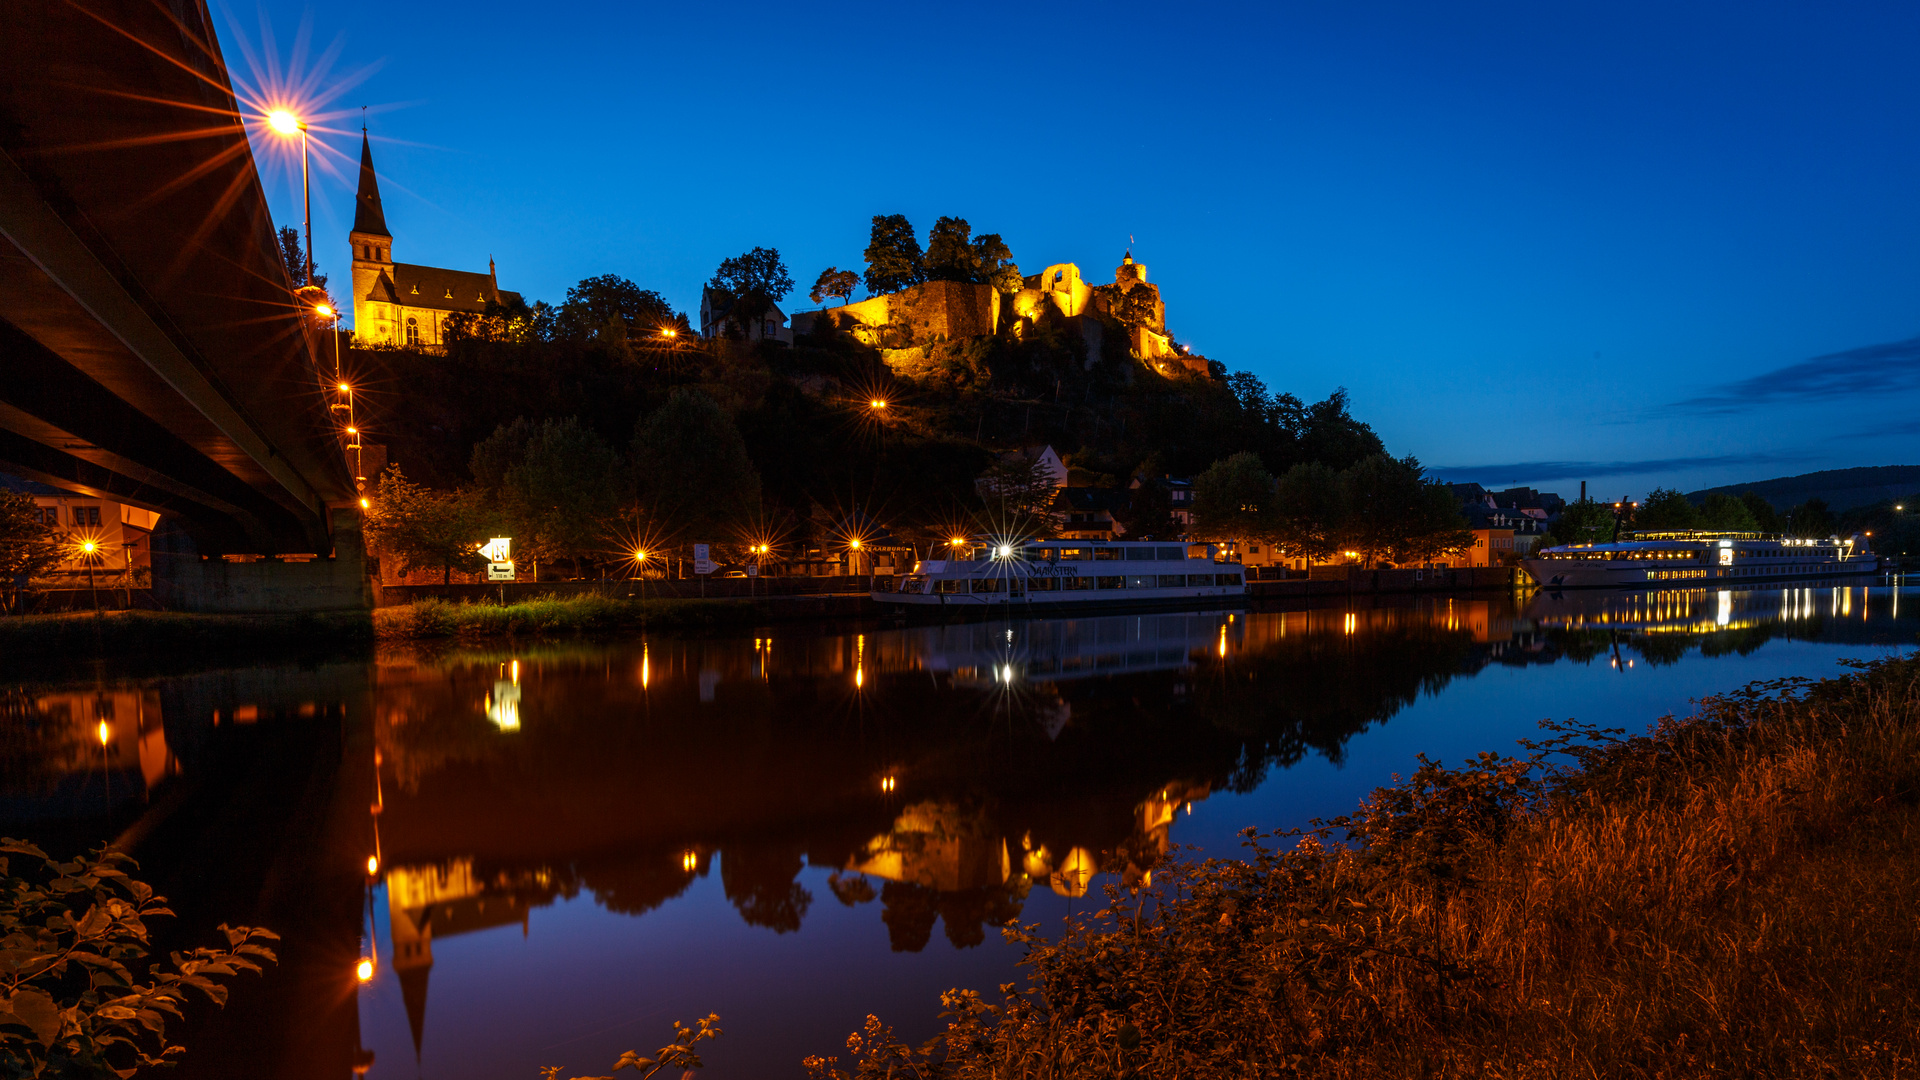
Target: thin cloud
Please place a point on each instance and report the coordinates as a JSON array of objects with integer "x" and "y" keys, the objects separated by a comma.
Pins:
[
  {"x": 1868, "y": 371},
  {"x": 1531, "y": 471}
]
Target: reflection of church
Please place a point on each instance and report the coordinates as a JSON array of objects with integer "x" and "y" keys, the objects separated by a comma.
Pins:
[{"x": 396, "y": 303}]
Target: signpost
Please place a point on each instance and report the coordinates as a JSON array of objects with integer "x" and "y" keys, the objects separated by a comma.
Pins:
[
  {"x": 702, "y": 565},
  {"x": 499, "y": 555}
]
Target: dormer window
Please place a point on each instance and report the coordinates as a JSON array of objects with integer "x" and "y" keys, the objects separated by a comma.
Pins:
[{"x": 449, "y": 292}]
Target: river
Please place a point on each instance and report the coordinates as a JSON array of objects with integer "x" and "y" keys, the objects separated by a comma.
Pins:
[{"x": 573, "y": 844}]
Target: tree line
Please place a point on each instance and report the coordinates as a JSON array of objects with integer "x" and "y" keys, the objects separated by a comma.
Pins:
[{"x": 1378, "y": 508}]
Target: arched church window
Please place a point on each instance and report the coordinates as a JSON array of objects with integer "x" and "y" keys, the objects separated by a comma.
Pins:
[{"x": 413, "y": 331}]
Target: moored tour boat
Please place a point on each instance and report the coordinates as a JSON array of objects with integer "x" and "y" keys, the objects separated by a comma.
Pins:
[
  {"x": 1698, "y": 558},
  {"x": 1056, "y": 573}
]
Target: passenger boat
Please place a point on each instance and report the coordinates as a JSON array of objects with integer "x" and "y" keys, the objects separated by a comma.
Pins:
[
  {"x": 1053, "y": 574},
  {"x": 1698, "y": 558}
]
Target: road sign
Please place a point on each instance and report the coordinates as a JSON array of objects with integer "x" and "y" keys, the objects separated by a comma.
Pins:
[
  {"x": 499, "y": 571},
  {"x": 701, "y": 563},
  {"x": 753, "y": 571},
  {"x": 498, "y": 550}
]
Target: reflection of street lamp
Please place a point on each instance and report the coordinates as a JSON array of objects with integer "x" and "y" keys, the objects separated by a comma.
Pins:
[{"x": 286, "y": 123}]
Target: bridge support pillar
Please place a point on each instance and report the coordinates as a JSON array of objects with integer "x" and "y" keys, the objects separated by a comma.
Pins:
[{"x": 184, "y": 580}]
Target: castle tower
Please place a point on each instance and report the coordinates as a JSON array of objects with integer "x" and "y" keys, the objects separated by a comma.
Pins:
[
  {"x": 373, "y": 295},
  {"x": 1129, "y": 271}
]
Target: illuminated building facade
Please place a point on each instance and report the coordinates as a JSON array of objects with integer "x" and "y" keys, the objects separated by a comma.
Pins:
[
  {"x": 396, "y": 303},
  {"x": 120, "y": 535}
]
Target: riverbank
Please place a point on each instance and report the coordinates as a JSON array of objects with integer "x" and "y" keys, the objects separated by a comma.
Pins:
[
  {"x": 77, "y": 635},
  {"x": 1729, "y": 894}
]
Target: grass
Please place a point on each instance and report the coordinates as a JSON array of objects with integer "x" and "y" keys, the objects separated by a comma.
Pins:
[
  {"x": 1729, "y": 894},
  {"x": 434, "y": 618}
]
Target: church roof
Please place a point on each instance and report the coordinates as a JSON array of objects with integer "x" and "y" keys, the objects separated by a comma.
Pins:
[
  {"x": 368, "y": 217},
  {"x": 438, "y": 289}
]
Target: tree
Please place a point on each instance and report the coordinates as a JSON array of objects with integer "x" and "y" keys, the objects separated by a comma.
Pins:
[
  {"x": 1810, "y": 519},
  {"x": 555, "y": 485},
  {"x": 755, "y": 282},
  {"x": 894, "y": 261},
  {"x": 1765, "y": 517},
  {"x": 692, "y": 474},
  {"x": 834, "y": 281},
  {"x": 513, "y": 321},
  {"x": 1231, "y": 499},
  {"x": 1667, "y": 510},
  {"x": 1021, "y": 488},
  {"x": 421, "y": 527},
  {"x": 1724, "y": 513},
  {"x": 29, "y": 547},
  {"x": 1385, "y": 501},
  {"x": 1327, "y": 433},
  {"x": 597, "y": 302},
  {"x": 1583, "y": 522},
  {"x": 1434, "y": 526},
  {"x": 949, "y": 252},
  {"x": 293, "y": 254},
  {"x": 1309, "y": 511}
]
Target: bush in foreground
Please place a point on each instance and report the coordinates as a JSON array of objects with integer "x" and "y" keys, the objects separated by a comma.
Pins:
[
  {"x": 1730, "y": 894},
  {"x": 77, "y": 996}
]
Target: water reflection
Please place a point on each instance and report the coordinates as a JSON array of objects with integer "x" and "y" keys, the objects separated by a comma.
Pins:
[{"x": 948, "y": 777}]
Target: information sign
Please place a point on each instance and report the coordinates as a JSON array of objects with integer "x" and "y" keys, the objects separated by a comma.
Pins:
[{"x": 701, "y": 563}]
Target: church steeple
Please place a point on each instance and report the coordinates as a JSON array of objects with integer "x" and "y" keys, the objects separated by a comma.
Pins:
[{"x": 368, "y": 218}]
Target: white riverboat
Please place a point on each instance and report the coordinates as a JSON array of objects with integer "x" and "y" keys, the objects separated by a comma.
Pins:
[
  {"x": 1684, "y": 559},
  {"x": 1052, "y": 574}
]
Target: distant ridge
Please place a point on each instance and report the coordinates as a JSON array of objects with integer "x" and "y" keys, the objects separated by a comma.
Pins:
[{"x": 1843, "y": 489}]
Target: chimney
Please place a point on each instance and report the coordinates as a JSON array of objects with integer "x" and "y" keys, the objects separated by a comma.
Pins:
[{"x": 1583, "y": 491}]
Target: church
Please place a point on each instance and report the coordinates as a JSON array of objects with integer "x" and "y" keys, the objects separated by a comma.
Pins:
[{"x": 401, "y": 303}]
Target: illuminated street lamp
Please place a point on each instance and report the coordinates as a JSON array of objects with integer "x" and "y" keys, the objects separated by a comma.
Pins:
[{"x": 286, "y": 123}]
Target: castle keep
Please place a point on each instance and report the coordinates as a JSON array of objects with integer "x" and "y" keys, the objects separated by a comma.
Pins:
[{"x": 951, "y": 311}]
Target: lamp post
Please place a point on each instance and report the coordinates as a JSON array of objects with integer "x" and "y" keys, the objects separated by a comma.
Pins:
[{"x": 286, "y": 123}]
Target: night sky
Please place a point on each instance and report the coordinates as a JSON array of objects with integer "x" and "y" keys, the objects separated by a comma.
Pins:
[{"x": 1638, "y": 244}]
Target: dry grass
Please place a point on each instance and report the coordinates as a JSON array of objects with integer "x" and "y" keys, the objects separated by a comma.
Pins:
[{"x": 1733, "y": 894}]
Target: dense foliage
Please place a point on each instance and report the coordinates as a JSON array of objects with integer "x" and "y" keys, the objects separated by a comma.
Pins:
[
  {"x": 78, "y": 997},
  {"x": 29, "y": 547}
]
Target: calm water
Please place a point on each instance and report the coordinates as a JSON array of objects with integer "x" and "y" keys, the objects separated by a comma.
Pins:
[{"x": 580, "y": 843}]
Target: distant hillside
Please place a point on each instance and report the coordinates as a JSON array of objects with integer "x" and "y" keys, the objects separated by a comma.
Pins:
[{"x": 1842, "y": 489}]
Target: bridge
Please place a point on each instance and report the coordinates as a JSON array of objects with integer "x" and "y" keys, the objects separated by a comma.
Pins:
[{"x": 151, "y": 347}]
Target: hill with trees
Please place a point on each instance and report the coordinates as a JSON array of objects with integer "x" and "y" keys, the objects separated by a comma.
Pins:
[
  {"x": 605, "y": 422},
  {"x": 1839, "y": 489}
]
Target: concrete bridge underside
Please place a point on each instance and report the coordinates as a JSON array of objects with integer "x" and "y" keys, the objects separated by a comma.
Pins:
[{"x": 152, "y": 350}]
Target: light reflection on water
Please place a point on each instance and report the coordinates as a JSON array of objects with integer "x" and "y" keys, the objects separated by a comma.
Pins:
[{"x": 577, "y": 843}]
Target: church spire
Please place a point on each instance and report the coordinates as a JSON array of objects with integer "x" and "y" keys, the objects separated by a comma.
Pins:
[{"x": 367, "y": 216}]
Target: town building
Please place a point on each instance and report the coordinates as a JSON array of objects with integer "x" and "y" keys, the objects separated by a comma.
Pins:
[
  {"x": 404, "y": 304},
  {"x": 716, "y": 319},
  {"x": 120, "y": 536}
]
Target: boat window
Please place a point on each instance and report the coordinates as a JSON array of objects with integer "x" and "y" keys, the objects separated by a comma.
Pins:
[
  {"x": 1077, "y": 583},
  {"x": 1139, "y": 554},
  {"x": 1201, "y": 581},
  {"x": 1142, "y": 581},
  {"x": 949, "y": 586},
  {"x": 1229, "y": 580},
  {"x": 1171, "y": 552},
  {"x": 1110, "y": 582},
  {"x": 1073, "y": 554},
  {"x": 1173, "y": 581},
  {"x": 1037, "y": 554},
  {"x": 1104, "y": 554},
  {"x": 1040, "y": 584},
  {"x": 989, "y": 585}
]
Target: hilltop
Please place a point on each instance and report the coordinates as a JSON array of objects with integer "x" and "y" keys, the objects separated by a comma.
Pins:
[{"x": 1841, "y": 489}]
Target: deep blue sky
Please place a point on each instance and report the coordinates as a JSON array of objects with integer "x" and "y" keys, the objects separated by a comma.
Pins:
[{"x": 1539, "y": 243}]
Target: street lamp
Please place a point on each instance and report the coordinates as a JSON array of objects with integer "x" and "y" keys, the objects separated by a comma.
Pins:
[{"x": 286, "y": 123}]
